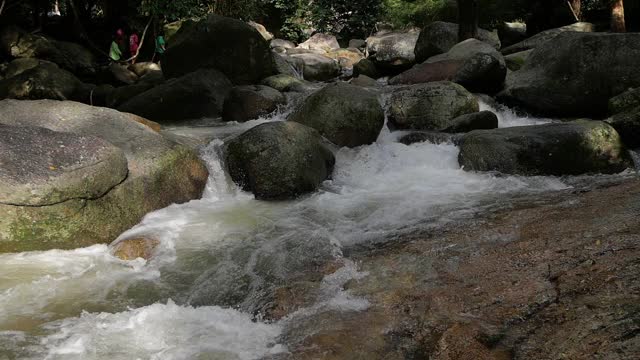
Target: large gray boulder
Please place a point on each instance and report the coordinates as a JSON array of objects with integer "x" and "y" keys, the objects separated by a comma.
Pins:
[
  {"x": 627, "y": 124},
  {"x": 482, "y": 120},
  {"x": 249, "y": 102},
  {"x": 44, "y": 81},
  {"x": 345, "y": 114},
  {"x": 393, "y": 50},
  {"x": 430, "y": 106},
  {"x": 287, "y": 65},
  {"x": 566, "y": 77},
  {"x": 474, "y": 64},
  {"x": 439, "y": 37},
  {"x": 318, "y": 67},
  {"x": 319, "y": 41},
  {"x": 43, "y": 167},
  {"x": 231, "y": 46},
  {"x": 279, "y": 160},
  {"x": 195, "y": 95},
  {"x": 541, "y": 38},
  {"x": 17, "y": 43},
  {"x": 159, "y": 173},
  {"x": 366, "y": 67},
  {"x": 285, "y": 83},
  {"x": 626, "y": 101},
  {"x": 572, "y": 148}
]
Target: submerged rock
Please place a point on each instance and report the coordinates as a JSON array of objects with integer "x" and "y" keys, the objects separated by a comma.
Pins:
[
  {"x": 430, "y": 106},
  {"x": 134, "y": 248},
  {"x": 231, "y": 46},
  {"x": 160, "y": 173},
  {"x": 565, "y": 77},
  {"x": 249, "y": 102},
  {"x": 572, "y": 148},
  {"x": 195, "y": 95},
  {"x": 279, "y": 160},
  {"x": 346, "y": 114},
  {"x": 439, "y": 37}
]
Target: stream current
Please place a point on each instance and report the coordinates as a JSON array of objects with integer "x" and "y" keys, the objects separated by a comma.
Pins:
[{"x": 205, "y": 293}]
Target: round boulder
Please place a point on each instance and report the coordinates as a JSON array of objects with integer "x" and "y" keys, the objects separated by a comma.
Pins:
[
  {"x": 250, "y": 102},
  {"x": 439, "y": 37},
  {"x": 347, "y": 115},
  {"x": 322, "y": 42},
  {"x": 318, "y": 67},
  {"x": 430, "y": 106},
  {"x": 279, "y": 160},
  {"x": 44, "y": 81},
  {"x": 231, "y": 46},
  {"x": 393, "y": 50}
]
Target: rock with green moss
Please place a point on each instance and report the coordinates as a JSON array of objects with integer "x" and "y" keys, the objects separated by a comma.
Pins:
[
  {"x": 565, "y": 77},
  {"x": 430, "y": 106},
  {"x": 628, "y": 100},
  {"x": 517, "y": 60},
  {"x": 346, "y": 114},
  {"x": 285, "y": 83},
  {"x": 43, "y": 81},
  {"x": 159, "y": 174},
  {"x": 279, "y": 160},
  {"x": 572, "y": 148}
]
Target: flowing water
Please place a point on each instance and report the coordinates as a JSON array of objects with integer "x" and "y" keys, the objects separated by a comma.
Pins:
[{"x": 205, "y": 294}]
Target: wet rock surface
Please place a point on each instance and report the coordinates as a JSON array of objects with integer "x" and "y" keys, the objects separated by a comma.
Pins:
[{"x": 544, "y": 279}]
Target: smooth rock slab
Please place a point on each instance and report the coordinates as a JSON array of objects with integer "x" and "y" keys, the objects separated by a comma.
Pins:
[
  {"x": 573, "y": 148},
  {"x": 43, "y": 167}
]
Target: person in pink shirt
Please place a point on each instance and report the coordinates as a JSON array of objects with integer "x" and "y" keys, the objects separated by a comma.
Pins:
[{"x": 134, "y": 43}]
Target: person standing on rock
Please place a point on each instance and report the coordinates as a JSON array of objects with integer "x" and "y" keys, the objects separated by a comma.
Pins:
[
  {"x": 160, "y": 48},
  {"x": 115, "y": 54},
  {"x": 134, "y": 43}
]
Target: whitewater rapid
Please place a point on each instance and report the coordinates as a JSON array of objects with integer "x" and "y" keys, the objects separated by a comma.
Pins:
[{"x": 220, "y": 257}]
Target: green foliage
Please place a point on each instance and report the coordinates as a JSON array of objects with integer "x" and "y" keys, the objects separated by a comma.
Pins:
[
  {"x": 349, "y": 18},
  {"x": 172, "y": 10},
  {"x": 405, "y": 13}
]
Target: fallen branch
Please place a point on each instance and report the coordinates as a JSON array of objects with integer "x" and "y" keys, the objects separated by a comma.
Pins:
[
  {"x": 144, "y": 33},
  {"x": 573, "y": 11}
]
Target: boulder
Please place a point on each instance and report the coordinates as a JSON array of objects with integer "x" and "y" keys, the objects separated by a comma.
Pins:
[
  {"x": 512, "y": 32},
  {"x": 393, "y": 50},
  {"x": 347, "y": 58},
  {"x": 318, "y": 67},
  {"x": 565, "y": 77},
  {"x": 279, "y": 160},
  {"x": 626, "y": 101},
  {"x": 430, "y": 106},
  {"x": 250, "y": 102},
  {"x": 280, "y": 43},
  {"x": 321, "y": 42},
  {"x": 121, "y": 75},
  {"x": 472, "y": 63},
  {"x": 142, "y": 247},
  {"x": 357, "y": 44},
  {"x": 517, "y": 60},
  {"x": 345, "y": 114},
  {"x": 297, "y": 51},
  {"x": 543, "y": 37},
  {"x": 572, "y": 148},
  {"x": 43, "y": 167},
  {"x": 20, "y": 65},
  {"x": 627, "y": 124},
  {"x": 142, "y": 68},
  {"x": 439, "y": 37},
  {"x": 17, "y": 43},
  {"x": 474, "y": 121},
  {"x": 262, "y": 30},
  {"x": 45, "y": 81},
  {"x": 172, "y": 28},
  {"x": 366, "y": 67},
  {"x": 195, "y": 95},
  {"x": 120, "y": 95},
  {"x": 231, "y": 46},
  {"x": 433, "y": 137},
  {"x": 364, "y": 81},
  {"x": 160, "y": 173},
  {"x": 285, "y": 83},
  {"x": 287, "y": 65}
]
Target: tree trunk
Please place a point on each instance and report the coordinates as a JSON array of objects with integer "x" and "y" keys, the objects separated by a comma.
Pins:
[
  {"x": 617, "y": 16},
  {"x": 467, "y": 19},
  {"x": 576, "y": 8}
]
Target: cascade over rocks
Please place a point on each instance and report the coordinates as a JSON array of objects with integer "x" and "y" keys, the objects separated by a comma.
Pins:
[
  {"x": 439, "y": 37},
  {"x": 159, "y": 173},
  {"x": 345, "y": 114},
  {"x": 195, "y": 95},
  {"x": 393, "y": 50},
  {"x": 543, "y": 37},
  {"x": 17, "y": 43},
  {"x": 279, "y": 160},
  {"x": 556, "y": 82},
  {"x": 44, "y": 81},
  {"x": 250, "y": 102},
  {"x": 231, "y": 46},
  {"x": 430, "y": 106},
  {"x": 573, "y": 148}
]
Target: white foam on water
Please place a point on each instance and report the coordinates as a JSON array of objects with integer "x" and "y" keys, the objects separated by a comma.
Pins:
[
  {"x": 161, "y": 331},
  {"x": 508, "y": 117}
]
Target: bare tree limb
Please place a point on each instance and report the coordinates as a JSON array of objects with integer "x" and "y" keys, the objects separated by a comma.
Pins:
[
  {"x": 573, "y": 11},
  {"x": 2, "y": 6},
  {"x": 144, "y": 33}
]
